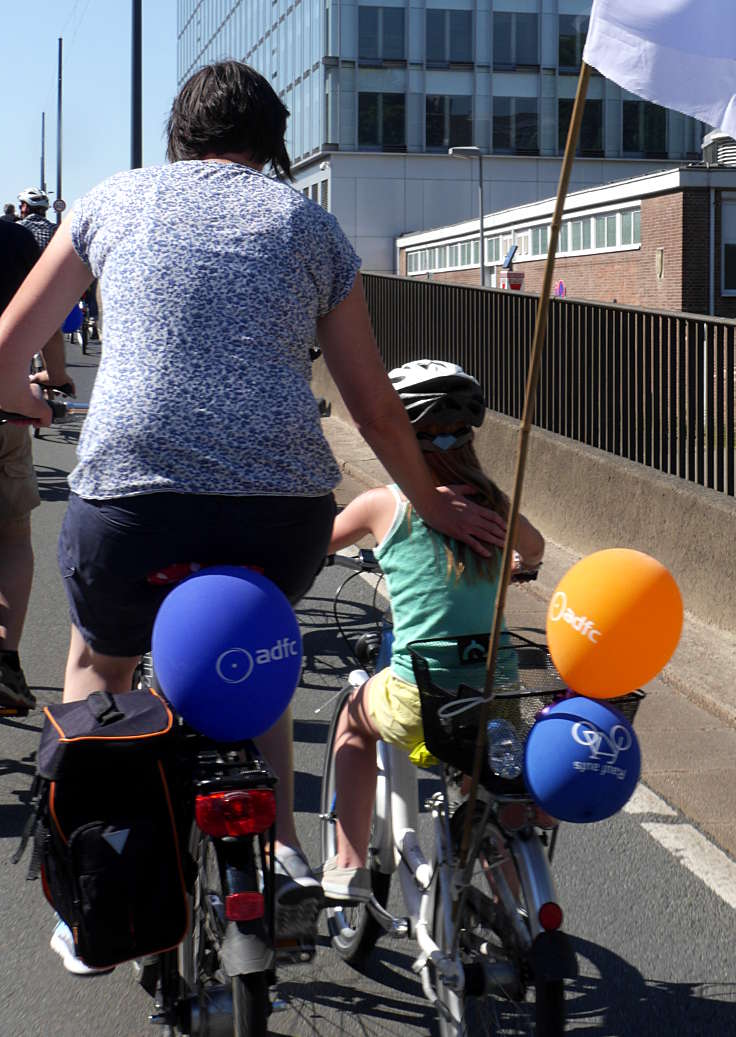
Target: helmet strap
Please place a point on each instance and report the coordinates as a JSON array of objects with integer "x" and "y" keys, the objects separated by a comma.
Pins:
[{"x": 430, "y": 442}]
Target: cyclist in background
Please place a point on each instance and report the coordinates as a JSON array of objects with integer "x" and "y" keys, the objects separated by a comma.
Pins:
[
  {"x": 18, "y": 489},
  {"x": 33, "y": 207},
  {"x": 203, "y": 440},
  {"x": 437, "y": 589}
]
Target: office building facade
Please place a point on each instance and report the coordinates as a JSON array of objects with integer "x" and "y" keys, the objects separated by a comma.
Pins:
[{"x": 378, "y": 93}]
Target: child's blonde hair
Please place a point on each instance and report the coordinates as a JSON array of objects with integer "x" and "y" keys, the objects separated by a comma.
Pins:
[{"x": 462, "y": 467}]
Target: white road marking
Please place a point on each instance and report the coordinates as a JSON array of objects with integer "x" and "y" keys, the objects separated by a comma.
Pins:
[
  {"x": 699, "y": 856},
  {"x": 644, "y": 801}
]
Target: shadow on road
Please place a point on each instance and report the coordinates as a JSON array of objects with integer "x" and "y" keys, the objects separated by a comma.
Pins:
[
  {"x": 618, "y": 1001},
  {"x": 52, "y": 484}
]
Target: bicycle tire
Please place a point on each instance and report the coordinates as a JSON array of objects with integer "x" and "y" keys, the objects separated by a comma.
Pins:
[
  {"x": 526, "y": 1007},
  {"x": 353, "y": 931},
  {"x": 250, "y": 1005},
  {"x": 201, "y": 965}
]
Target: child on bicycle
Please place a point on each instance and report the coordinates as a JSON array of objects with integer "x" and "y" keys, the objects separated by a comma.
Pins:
[{"x": 437, "y": 587}]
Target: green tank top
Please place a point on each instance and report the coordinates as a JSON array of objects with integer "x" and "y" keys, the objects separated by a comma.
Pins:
[{"x": 427, "y": 602}]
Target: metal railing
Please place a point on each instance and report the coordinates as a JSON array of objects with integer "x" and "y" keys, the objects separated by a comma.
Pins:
[{"x": 654, "y": 387}]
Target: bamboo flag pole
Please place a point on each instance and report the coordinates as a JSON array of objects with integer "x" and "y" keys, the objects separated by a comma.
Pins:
[{"x": 540, "y": 331}]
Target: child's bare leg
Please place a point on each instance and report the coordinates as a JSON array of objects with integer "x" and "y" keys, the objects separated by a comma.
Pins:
[{"x": 355, "y": 776}]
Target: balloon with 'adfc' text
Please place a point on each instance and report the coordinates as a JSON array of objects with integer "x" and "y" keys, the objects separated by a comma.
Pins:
[
  {"x": 613, "y": 622},
  {"x": 227, "y": 652},
  {"x": 582, "y": 760}
]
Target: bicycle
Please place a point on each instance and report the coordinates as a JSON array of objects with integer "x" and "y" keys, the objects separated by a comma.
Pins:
[
  {"x": 218, "y": 980},
  {"x": 493, "y": 955}
]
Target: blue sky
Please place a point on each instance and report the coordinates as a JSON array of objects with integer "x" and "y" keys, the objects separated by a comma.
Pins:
[{"x": 96, "y": 90}]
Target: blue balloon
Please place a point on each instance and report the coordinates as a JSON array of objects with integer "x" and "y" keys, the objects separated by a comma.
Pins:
[
  {"x": 227, "y": 652},
  {"x": 581, "y": 760},
  {"x": 73, "y": 320}
]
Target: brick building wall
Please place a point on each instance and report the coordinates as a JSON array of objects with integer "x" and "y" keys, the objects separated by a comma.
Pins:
[{"x": 676, "y": 223}]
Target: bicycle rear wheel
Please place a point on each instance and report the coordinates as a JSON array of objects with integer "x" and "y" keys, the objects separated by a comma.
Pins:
[
  {"x": 213, "y": 993},
  {"x": 352, "y": 929},
  {"x": 502, "y": 996}
]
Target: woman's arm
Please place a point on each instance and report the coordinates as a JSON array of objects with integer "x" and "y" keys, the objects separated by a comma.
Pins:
[
  {"x": 354, "y": 362},
  {"x": 36, "y": 311}
]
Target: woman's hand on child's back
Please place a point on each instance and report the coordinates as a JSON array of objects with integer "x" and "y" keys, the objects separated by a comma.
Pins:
[{"x": 455, "y": 514}]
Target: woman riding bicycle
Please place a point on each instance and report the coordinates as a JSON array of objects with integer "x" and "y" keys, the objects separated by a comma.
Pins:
[
  {"x": 437, "y": 588},
  {"x": 203, "y": 440}
]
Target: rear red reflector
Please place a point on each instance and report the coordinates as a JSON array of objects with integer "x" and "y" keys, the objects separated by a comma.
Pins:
[
  {"x": 242, "y": 907},
  {"x": 550, "y": 916},
  {"x": 245, "y": 812}
]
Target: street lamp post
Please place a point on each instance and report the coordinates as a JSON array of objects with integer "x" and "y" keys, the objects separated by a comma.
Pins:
[{"x": 476, "y": 153}]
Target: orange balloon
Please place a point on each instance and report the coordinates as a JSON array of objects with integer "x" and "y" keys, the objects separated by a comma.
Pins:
[{"x": 613, "y": 622}]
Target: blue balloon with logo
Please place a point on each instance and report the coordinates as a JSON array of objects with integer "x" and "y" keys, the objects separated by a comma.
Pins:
[
  {"x": 582, "y": 760},
  {"x": 73, "y": 321},
  {"x": 227, "y": 652}
]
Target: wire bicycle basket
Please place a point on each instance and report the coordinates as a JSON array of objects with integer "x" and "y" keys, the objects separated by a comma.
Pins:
[{"x": 526, "y": 681}]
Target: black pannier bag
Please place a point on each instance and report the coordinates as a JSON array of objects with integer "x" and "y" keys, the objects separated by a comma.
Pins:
[{"x": 104, "y": 826}]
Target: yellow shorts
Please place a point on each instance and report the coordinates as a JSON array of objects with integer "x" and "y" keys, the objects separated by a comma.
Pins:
[
  {"x": 18, "y": 489},
  {"x": 395, "y": 711}
]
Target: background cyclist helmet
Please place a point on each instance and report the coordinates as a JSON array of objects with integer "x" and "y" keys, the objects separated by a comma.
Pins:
[
  {"x": 438, "y": 393},
  {"x": 34, "y": 199}
]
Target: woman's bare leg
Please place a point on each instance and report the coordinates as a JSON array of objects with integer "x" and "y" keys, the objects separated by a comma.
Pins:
[
  {"x": 277, "y": 745},
  {"x": 88, "y": 671}
]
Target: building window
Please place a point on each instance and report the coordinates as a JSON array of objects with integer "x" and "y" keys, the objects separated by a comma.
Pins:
[
  {"x": 449, "y": 37},
  {"x": 728, "y": 246},
  {"x": 449, "y": 121},
  {"x": 381, "y": 34},
  {"x": 382, "y": 121},
  {"x": 493, "y": 251},
  {"x": 605, "y": 231},
  {"x": 573, "y": 30},
  {"x": 515, "y": 40},
  {"x": 590, "y": 141},
  {"x": 323, "y": 196},
  {"x": 540, "y": 240},
  {"x": 515, "y": 124},
  {"x": 644, "y": 129},
  {"x": 631, "y": 227}
]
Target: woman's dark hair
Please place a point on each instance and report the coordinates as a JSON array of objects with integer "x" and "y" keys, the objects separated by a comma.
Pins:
[{"x": 227, "y": 107}]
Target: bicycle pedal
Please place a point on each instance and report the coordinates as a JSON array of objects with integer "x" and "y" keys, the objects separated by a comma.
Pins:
[
  {"x": 14, "y": 711},
  {"x": 294, "y": 951}
]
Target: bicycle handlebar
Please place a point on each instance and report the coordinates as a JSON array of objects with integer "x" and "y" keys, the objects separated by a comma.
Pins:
[
  {"x": 60, "y": 411},
  {"x": 366, "y": 561}
]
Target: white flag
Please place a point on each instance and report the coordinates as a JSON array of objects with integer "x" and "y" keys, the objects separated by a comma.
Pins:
[{"x": 678, "y": 53}]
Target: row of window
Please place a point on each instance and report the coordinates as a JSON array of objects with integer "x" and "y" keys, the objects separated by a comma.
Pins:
[
  {"x": 515, "y": 124},
  {"x": 318, "y": 192},
  {"x": 610, "y": 230},
  {"x": 449, "y": 37}
]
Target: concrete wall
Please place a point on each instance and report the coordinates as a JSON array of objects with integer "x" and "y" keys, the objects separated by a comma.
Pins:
[{"x": 586, "y": 500}]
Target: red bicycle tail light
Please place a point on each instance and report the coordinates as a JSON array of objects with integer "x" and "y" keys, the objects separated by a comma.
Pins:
[
  {"x": 245, "y": 812},
  {"x": 243, "y": 907},
  {"x": 550, "y": 916}
]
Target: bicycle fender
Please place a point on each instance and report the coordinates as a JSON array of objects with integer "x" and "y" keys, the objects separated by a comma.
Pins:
[
  {"x": 245, "y": 949},
  {"x": 552, "y": 956}
]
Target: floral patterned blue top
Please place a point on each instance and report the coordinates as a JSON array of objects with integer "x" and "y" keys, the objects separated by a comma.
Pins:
[{"x": 213, "y": 278}]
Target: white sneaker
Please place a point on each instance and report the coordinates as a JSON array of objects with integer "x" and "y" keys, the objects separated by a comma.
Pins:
[
  {"x": 345, "y": 884},
  {"x": 62, "y": 942}
]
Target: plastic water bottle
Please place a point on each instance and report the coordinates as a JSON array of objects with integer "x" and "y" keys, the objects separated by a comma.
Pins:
[{"x": 505, "y": 751}]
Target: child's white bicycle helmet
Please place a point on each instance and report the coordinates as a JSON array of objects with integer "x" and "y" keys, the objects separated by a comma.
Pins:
[{"x": 442, "y": 393}]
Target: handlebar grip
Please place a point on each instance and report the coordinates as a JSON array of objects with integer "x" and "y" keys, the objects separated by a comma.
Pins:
[{"x": 58, "y": 410}]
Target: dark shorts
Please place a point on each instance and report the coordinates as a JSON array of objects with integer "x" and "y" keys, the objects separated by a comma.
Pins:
[{"x": 107, "y": 549}]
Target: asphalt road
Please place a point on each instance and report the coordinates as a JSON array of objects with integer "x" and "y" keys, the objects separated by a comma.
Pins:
[{"x": 655, "y": 945}]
